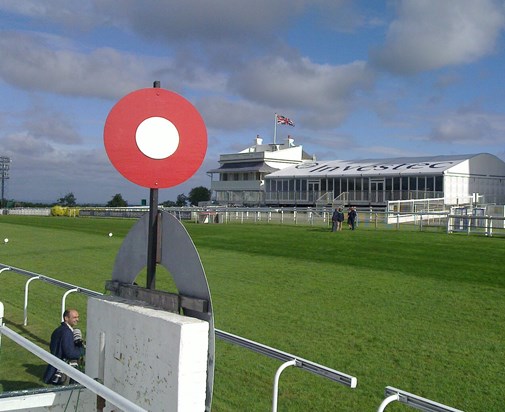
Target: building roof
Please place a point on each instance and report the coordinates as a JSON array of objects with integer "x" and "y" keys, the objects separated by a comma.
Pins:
[
  {"x": 244, "y": 167},
  {"x": 430, "y": 165}
]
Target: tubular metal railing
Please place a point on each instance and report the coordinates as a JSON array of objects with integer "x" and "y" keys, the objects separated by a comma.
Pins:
[
  {"x": 392, "y": 394},
  {"x": 414, "y": 401},
  {"x": 289, "y": 359}
]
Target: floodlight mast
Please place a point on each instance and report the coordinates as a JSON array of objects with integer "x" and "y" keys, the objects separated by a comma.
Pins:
[{"x": 4, "y": 169}]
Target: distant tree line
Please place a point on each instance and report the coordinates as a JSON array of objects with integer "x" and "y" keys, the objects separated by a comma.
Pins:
[{"x": 196, "y": 195}]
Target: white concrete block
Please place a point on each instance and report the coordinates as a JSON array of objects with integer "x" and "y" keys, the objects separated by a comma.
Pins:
[{"x": 154, "y": 358}]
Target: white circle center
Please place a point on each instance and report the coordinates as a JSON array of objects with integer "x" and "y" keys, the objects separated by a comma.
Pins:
[{"x": 157, "y": 137}]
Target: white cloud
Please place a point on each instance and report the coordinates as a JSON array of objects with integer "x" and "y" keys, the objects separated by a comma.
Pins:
[
  {"x": 222, "y": 113},
  {"x": 70, "y": 14},
  {"x": 470, "y": 126},
  {"x": 217, "y": 20},
  {"x": 23, "y": 144},
  {"x": 43, "y": 124},
  {"x": 240, "y": 62},
  {"x": 298, "y": 84},
  {"x": 431, "y": 34},
  {"x": 30, "y": 62}
]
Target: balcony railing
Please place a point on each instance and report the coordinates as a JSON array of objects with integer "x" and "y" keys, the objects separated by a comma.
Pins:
[{"x": 352, "y": 196}]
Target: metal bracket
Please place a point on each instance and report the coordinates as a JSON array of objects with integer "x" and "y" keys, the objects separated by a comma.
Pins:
[{"x": 171, "y": 302}]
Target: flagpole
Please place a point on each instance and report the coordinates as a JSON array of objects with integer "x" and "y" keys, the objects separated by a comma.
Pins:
[{"x": 275, "y": 126}]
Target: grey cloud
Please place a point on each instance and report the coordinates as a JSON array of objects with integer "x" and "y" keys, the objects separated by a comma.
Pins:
[
  {"x": 217, "y": 20},
  {"x": 70, "y": 14},
  {"x": 52, "y": 126},
  {"x": 469, "y": 126},
  {"x": 223, "y": 114},
  {"x": 431, "y": 34},
  {"x": 206, "y": 21},
  {"x": 39, "y": 167},
  {"x": 299, "y": 84},
  {"x": 29, "y": 63},
  {"x": 21, "y": 145},
  {"x": 447, "y": 80}
]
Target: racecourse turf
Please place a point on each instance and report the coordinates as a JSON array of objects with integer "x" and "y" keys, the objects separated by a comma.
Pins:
[{"x": 420, "y": 311}]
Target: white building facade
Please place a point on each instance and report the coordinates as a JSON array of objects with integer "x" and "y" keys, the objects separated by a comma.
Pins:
[
  {"x": 374, "y": 182},
  {"x": 240, "y": 179}
]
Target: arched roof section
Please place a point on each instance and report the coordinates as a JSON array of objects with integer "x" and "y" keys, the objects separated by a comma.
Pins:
[{"x": 476, "y": 164}]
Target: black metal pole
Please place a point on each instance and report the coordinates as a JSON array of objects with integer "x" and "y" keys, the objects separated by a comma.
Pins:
[{"x": 152, "y": 240}]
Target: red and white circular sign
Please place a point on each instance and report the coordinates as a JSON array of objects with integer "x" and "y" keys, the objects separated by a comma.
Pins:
[{"x": 155, "y": 138}]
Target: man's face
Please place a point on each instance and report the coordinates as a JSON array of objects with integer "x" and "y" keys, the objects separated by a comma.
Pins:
[{"x": 72, "y": 318}]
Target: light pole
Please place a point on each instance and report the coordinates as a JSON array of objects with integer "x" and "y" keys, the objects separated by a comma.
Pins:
[{"x": 4, "y": 173}]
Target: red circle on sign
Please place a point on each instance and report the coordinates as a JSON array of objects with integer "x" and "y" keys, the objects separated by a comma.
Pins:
[{"x": 121, "y": 145}]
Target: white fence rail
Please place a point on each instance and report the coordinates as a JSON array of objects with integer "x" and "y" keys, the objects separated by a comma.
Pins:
[
  {"x": 414, "y": 401},
  {"x": 27, "y": 211},
  {"x": 72, "y": 372},
  {"x": 392, "y": 394},
  {"x": 487, "y": 225},
  {"x": 116, "y": 399}
]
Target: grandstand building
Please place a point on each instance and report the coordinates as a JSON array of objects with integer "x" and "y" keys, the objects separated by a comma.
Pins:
[
  {"x": 457, "y": 179},
  {"x": 240, "y": 179},
  {"x": 285, "y": 175}
]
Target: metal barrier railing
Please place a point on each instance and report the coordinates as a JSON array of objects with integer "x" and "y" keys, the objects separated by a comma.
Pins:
[
  {"x": 305, "y": 364},
  {"x": 257, "y": 347},
  {"x": 392, "y": 394},
  {"x": 414, "y": 401},
  {"x": 289, "y": 360},
  {"x": 72, "y": 372},
  {"x": 35, "y": 276}
]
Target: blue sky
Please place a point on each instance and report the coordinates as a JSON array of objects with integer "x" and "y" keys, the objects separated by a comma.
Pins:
[{"x": 360, "y": 79}]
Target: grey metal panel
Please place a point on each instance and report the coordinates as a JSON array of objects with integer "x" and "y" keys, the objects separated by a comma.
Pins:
[
  {"x": 132, "y": 255},
  {"x": 180, "y": 257}
]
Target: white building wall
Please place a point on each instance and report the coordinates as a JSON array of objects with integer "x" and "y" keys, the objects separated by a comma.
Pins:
[{"x": 456, "y": 189}]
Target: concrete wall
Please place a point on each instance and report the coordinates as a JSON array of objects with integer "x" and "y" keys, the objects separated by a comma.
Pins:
[
  {"x": 51, "y": 399},
  {"x": 154, "y": 358}
]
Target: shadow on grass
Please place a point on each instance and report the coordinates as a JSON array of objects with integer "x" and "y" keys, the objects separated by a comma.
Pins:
[
  {"x": 35, "y": 370},
  {"x": 9, "y": 386},
  {"x": 319, "y": 229},
  {"x": 25, "y": 332}
]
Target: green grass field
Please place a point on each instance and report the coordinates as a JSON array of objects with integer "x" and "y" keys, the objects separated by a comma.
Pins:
[{"x": 419, "y": 311}]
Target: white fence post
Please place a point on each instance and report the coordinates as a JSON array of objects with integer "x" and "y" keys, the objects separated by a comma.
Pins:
[
  {"x": 1, "y": 320},
  {"x": 26, "y": 298},
  {"x": 106, "y": 393},
  {"x": 276, "y": 381},
  {"x": 387, "y": 401},
  {"x": 64, "y": 300}
]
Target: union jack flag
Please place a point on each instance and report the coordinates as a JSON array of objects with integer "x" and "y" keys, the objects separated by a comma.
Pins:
[{"x": 284, "y": 120}]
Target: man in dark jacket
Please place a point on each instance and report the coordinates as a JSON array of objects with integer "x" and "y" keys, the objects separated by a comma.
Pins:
[
  {"x": 351, "y": 218},
  {"x": 63, "y": 345},
  {"x": 337, "y": 218}
]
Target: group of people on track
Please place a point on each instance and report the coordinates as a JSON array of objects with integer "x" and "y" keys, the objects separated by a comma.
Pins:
[{"x": 338, "y": 217}]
